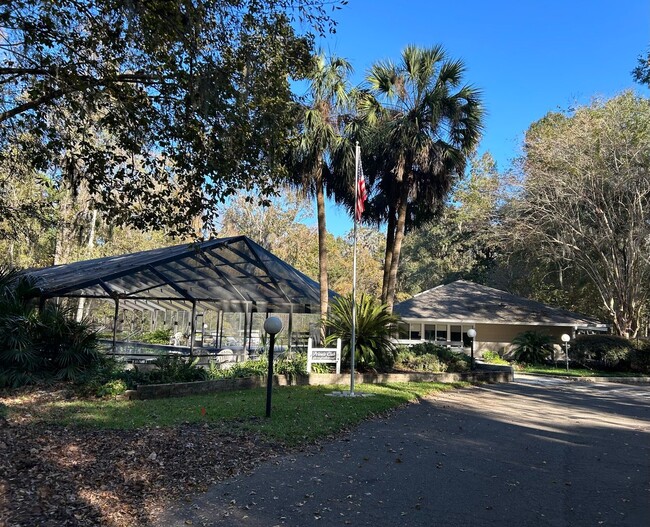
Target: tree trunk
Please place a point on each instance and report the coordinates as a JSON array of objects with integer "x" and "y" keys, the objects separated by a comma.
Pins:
[
  {"x": 322, "y": 251},
  {"x": 91, "y": 243},
  {"x": 397, "y": 246},
  {"x": 388, "y": 257}
]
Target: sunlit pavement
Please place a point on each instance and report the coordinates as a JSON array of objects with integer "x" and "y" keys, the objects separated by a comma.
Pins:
[{"x": 536, "y": 452}]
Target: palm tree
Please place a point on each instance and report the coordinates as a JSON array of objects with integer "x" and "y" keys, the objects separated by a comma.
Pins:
[
  {"x": 320, "y": 135},
  {"x": 427, "y": 123}
]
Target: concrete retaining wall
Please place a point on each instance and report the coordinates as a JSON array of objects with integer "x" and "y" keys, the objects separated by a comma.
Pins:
[{"x": 157, "y": 391}]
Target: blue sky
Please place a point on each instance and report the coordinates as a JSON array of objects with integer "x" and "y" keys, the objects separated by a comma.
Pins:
[{"x": 528, "y": 57}]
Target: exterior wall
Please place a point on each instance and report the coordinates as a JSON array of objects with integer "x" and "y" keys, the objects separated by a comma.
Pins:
[{"x": 498, "y": 337}]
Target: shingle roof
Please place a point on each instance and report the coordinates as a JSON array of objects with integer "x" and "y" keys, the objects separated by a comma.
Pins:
[
  {"x": 465, "y": 301},
  {"x": 226, "y": 271}
]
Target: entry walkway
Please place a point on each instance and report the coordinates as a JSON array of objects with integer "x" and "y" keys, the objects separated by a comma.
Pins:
[{"x": 536, "y": 452}]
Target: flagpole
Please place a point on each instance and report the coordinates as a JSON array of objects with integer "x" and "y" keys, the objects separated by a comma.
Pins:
[{"x": 353, "y": 340}]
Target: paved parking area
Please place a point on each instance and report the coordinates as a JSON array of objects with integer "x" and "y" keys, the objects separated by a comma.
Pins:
[{"x": 536, "y": 452}]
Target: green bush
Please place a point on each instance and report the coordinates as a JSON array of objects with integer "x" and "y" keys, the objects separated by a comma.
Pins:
[
  {"x": 492, "y": 357},
  {"x": 40, "y": 344},
  {"x": 640, "y": 358},
  {"x": 296, "y": 365},
  {"x": 428, "y": 348},
  {"x": 426, "y": 362},
  {"x": 112, "y": 388},
  {"x": 532, "y": 347},
  {"x": 176, "y": 368},
  {"x": 603, "y": 351},
  {"x": 428, "y": 356},
  {"x": 159, "y": 336},
  {"x": 374, "y": 347}
]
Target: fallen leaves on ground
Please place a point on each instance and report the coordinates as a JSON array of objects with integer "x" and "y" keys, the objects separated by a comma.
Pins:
[{"x": 56, "y": 476}]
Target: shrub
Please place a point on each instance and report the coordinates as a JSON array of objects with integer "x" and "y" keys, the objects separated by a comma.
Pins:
[
  {"x": 68, "y": 347},
  {"x": 492, "y": 357},
  {"x": 374, "y": 347},
  {"x": 296, "y": 365},
  {"x": 40, "y": 344},
  {"x": 640, "y": 358},
  {"x": 427, "y": 348},
  {"x": 532, "y": 347},
  {"x": 438, "y": 358},
  {"x": 602, "y": 351},
  {"x": 159, "y": 336},
  {"x": 112, "y": 388},
  {"x": 176, "y": 368},
  {"x": 426, "y": 362}
]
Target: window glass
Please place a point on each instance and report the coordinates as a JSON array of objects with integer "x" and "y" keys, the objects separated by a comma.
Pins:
[
  {"x": 441, "y": 332},
  {"x": 456, "y": 333},
  {"x": 429, "y": 332},
  {"x": 415, "y": 331}
]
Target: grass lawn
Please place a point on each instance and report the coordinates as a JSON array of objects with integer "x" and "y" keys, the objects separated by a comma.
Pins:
[
  {"x": 575, "y": 372},
  {"x": 299, "y": 413}
]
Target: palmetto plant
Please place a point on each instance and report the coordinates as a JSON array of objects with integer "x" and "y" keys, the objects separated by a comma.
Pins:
[
  {"x": 374, "y": 327},
  {"x": 19, "y": 358},
  {"x": 532, "y": 347},
  {"x": 35, "y": 343}
]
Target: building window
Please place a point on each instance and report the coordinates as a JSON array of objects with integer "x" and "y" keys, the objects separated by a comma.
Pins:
[
  {"x": 455, "y": 333},
  {"x": 429, "y": 332}
]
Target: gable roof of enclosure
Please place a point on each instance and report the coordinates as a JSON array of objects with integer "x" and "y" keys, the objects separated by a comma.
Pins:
[{"x": 229, "y": 272}]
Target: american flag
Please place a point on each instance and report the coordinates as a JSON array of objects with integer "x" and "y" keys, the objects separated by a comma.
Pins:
[{"x": 362, "y": 195}]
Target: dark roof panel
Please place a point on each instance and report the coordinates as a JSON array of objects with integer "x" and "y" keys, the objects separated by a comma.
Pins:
[
  {"x": 226, "y": 270},
  {"x": 465, "y": 301}
]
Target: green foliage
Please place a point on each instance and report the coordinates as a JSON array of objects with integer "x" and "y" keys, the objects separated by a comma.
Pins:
[
  {"x": 292, "y": 366},
  {"x": 159, "y": 336},
  {"x": 112, "y": 388},
  {"x": 203, "y": 84},
  {"x": 604, "y": 351},
  {"x": 492, "y": 357},
  {"x": 426, "y": 362},
  {"x": 431, "y": 348},
  {"x": 176, "y": 368},
  {"x": 641, "y": 73},
  {"x": 532, "y": 347},
  {"x": 428, "y": 356},
  {"x": 424, "y": 122},
  {"x": 39, "y": 344},
  {"x": 67, "y": 347},
  {"x": 374, "y": 327},
  {"x": 640, "y": 358},
  {"x": 462, "y": 243},
  {"x": 583, "y": 202}
]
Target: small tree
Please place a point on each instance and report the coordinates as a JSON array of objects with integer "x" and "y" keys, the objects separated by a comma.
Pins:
[
  {"x": 532, "y": 347},
  {"x": 374, "y": 326}
]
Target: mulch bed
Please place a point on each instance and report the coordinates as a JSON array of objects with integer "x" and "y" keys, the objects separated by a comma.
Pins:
[{"x": 57, "y": 476}]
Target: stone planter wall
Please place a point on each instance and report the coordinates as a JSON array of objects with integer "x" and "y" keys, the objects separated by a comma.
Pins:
[{"x": 156, "y": 391}]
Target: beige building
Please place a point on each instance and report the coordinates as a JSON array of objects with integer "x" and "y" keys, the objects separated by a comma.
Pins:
[{"x": 445, "y": 313}]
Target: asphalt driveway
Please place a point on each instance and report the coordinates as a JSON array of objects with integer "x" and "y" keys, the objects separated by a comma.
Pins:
[{"x": 530, "y": 453}]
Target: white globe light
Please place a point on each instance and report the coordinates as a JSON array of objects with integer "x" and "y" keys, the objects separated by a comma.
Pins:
[
  {"x": 273, "y": 325},
  {"x": 471, "y": 333},
  {"x": 565, "y": 338}
]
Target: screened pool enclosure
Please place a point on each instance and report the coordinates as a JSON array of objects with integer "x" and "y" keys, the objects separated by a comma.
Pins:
[{"x": 210, "y": 297}]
